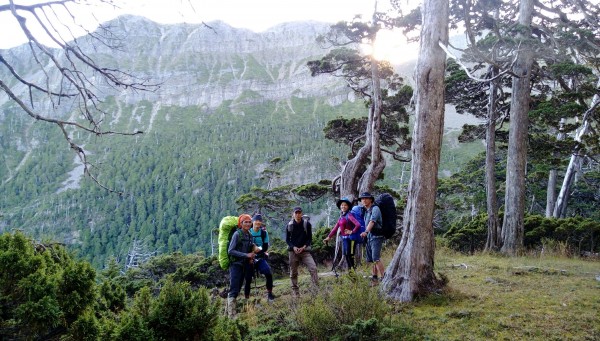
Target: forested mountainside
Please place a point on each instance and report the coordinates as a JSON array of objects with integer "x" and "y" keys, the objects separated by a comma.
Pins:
[{"x": 230, "y": 101}]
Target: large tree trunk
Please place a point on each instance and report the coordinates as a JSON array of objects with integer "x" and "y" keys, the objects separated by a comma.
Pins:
[
  {"x": 512, "y": 227},
  {"x": 493, "y": 226},
  {"x": 411, "y": 271}
]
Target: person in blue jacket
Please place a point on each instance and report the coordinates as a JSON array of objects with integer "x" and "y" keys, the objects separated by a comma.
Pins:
[{"x": 260, "y": 238}]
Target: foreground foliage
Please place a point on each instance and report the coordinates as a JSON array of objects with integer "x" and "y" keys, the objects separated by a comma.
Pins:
[{"x": 46, "y": 294}]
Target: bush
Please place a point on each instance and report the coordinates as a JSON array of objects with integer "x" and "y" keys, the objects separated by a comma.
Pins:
[
  {"x": 570, "y": 236},
  {"x": 468, "y": 235},
  {"x": 351, "y": 299},
  {"x": 43, "y": 291}
]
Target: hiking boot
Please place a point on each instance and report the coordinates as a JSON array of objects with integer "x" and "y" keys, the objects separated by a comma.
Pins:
[
  {"x": 270, "y": 296},
  {"x": 231, "y": 309}
]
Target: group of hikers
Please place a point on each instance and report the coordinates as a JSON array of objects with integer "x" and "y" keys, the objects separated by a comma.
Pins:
[{"x": 248, "y": 248}]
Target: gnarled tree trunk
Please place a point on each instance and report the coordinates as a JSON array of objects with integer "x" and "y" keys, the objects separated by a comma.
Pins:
[
  {"x": 367, "y": 181},
  {"x": 411, "y": 271}
]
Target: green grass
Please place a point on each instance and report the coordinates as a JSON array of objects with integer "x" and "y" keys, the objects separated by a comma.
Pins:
[
  {"x": 495, "y": 297},
  {"x": 489, "y": 297}
]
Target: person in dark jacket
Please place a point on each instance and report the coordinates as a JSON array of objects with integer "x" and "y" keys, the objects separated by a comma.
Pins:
[
  {"x": 298, "y": 236},
  {"x": 241, "y": 252}
]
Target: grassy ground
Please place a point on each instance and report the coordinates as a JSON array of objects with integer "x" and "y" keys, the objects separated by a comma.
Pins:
[
  {"x": 500, "y": 298},
  {"x": 489, "y": 297}
]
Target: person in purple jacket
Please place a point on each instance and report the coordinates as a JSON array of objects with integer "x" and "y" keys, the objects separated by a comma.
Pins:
[{"x": 347, "y": 225}]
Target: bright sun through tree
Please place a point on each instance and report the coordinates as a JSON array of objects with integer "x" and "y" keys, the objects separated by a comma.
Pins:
[{"x": 392, "y": 46}]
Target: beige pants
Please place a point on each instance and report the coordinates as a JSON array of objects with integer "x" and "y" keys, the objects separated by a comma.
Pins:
[{"x": 306, "y": 258}]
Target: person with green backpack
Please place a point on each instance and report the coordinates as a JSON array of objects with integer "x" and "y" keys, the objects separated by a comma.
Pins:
[{"x": 241, "y": 251}]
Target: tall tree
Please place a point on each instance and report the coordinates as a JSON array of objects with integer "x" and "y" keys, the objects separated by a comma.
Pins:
[
  {"x": 514, "y": 203},
  {"x": 410, "y": 272},
  {"x": 384, "y": 93}
]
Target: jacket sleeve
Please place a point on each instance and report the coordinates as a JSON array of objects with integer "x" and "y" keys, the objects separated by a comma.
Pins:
[
  {"x": 232, "y": 247},
  {"x": 355, "y": 222},
  {"x": 334, "y": 229},
  {"x": 288, "y": 237}
]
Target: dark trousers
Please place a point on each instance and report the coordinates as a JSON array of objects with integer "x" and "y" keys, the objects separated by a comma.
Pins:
[
  {"x": 348, "y": 251},
  {"x": 263, "y": 267},
  {"x": 238, "y": 271}
]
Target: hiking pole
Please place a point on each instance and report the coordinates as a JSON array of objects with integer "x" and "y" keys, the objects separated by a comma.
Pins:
[{"x": 334, "y": 266}]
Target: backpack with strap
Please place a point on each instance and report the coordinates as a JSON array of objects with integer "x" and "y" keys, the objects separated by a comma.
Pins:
[
  {"x": 359, "y": 214},
  {"x": 388, "y": 214},
  {"x": 227, "y": 228},
  {"x": 290, "y": 225}
]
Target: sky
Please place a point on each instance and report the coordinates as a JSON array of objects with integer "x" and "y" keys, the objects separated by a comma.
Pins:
[{"x": 257, "y": 15}]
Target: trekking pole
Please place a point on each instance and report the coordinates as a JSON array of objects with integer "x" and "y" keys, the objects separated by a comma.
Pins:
[{"x": 335, "y": 253}]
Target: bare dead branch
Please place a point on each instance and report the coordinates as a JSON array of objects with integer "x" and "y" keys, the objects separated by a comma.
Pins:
[{"x": 466, "y": 69}]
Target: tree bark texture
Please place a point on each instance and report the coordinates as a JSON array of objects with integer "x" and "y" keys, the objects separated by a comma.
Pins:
[
  {"x": 493, "y": 226},
  {"x": 553, "y": 178},
  {"x": 512, "y": 227},
  {"x": 411, "y": 271},
  {"x": 551, "y": 193}
]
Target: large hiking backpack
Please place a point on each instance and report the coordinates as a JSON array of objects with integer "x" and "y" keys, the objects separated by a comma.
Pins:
[
  {"x": 358, "y": 213},
  {"x": 388, "y": 214},
  {"x": 227, "y": 228}
]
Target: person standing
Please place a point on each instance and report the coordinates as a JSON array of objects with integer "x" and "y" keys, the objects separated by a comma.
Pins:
[
  {"x": 260, "y": 238},
  {"x": 298, "y": 237},
  {"x": 242, "y": 257},
  {"x": 373, "y": 221},
  {"x": 347, "y": 224}
]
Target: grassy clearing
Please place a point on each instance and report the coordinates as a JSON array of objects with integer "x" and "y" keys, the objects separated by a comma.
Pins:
[
  {"x": 489, "y": 297},
  {"x": 495, "y": 297}
]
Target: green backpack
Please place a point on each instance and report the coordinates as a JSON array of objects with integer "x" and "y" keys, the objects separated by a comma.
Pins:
[{"x": 227, "y": 228}]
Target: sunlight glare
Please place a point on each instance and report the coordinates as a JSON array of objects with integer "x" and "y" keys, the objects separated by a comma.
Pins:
[{"x": 392, "y": 46}]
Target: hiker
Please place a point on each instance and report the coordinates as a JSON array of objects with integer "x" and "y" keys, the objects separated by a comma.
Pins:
[
  {"x": 347, "y": 225},
  {"x": 241, "y": 252},
  {"x": 298, "y": 236},
  {"x": 375, "y": 240},
  {"x": 260, "y": 238}
]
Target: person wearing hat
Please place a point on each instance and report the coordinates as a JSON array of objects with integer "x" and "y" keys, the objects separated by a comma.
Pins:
[
  {"x": 373, "y": 221},
  {"x": 241, "y": 252},
  {"x": 347, "y": 225},
  {"x": 260, "y": 238},
  {"x": 298, "y": 236}
]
